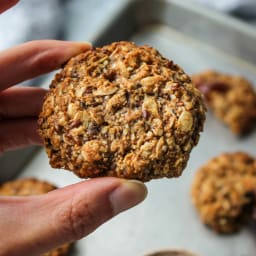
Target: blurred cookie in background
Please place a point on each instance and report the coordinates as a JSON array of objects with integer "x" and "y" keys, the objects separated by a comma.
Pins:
[
  {"x": 232, "y": 99},
  {"x": 29, "y": 187},
  {"x": 224, "y": 191},
  {"x": 171, "y": 252}
]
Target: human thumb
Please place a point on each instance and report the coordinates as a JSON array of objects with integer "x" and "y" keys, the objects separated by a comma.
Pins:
[{"x": 36, "y": 224}]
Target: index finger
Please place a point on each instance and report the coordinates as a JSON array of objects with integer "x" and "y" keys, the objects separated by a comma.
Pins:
[
  {"x": 35, "y": 58},
  {"x": 6, "y": 4}
]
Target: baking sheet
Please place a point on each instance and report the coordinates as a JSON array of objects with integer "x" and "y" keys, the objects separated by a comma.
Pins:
[{"x": 167, "y": 218}]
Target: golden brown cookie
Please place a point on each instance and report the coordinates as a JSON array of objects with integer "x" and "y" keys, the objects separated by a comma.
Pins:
[
  {"x": 231, "y": 98},
  {"x": 25, "y": 187},
  {"x": 60, "y": 251},
  {"x": 121, "y": 110},
  {"x": 224, "y": 191},
  {"x": 171, "y": 253},
  {"x": 28, "y": 187}
]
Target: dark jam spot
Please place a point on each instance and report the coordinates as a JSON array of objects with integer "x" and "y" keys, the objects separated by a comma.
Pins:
[{"x": 207, "y": 88}]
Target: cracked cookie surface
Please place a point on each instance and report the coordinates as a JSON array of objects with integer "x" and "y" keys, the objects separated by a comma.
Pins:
[
  {"x": 28, "y": 187},
  {"x": 121, "y": 110},
  {"x": 224, "y": 191},
  {"x": 231, "y": 98}
]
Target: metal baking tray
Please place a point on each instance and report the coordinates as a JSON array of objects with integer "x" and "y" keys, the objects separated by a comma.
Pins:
[{"x": 196, "y": 39}]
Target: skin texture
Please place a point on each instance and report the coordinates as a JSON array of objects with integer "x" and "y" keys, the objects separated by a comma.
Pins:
[
  {"x": 68, "y": 213},
  {"x": 29, "y": 187}
]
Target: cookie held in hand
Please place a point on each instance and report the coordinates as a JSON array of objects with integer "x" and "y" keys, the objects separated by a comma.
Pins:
[{"x": 121, "y": 110}]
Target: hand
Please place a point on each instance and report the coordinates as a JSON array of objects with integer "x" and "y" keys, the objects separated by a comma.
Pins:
[
  {"x": 20, "y": 106},
  {"x": 33, "y": 225}
]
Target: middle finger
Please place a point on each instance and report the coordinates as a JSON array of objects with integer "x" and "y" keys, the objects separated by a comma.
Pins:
[
  {"x": 21, "y": 102},
  {"x": 18, "y": 133}
]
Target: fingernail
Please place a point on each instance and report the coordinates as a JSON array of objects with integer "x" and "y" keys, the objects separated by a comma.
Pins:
[
  {"x": 83, "y": 45},
  {"x": 127, "y": 195},
  {"x": 73, "y": 49}
]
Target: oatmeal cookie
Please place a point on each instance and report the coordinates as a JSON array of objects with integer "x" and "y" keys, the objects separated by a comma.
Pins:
[
  {"x": 60, "y": 251},
  {"x": 171, "y": 253},
  {"x": 121, "y": 110},
  {"x": 28, "y": 187},
  {"x": 224, "y": 191},
  {"x": 231, "y": 98}
]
